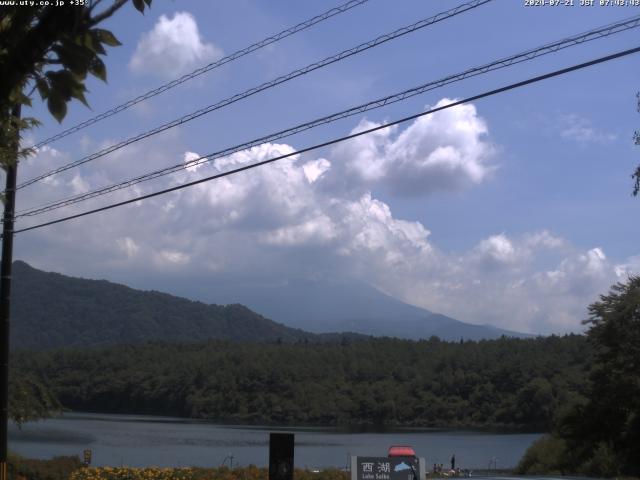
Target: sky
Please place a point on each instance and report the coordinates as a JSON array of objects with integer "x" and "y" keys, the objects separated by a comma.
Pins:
[{"x": 514, "y": 210}]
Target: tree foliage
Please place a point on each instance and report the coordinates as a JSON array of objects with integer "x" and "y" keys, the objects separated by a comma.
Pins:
[
  {"x": 602, "y": 434},
  {"x": 30, "y": 398},
  {"x": 545, "y": 457},
  {"x": 505, "y": 383},
  {"x": 50, "y": 49}
]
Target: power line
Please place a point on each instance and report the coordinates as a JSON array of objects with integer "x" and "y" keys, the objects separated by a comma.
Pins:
[
  {"x": 252, "y": 91},
  {"x": 207, "y": 68},
  {"x": 344, "y": 138},
  {"x": 527, "y": 55}
]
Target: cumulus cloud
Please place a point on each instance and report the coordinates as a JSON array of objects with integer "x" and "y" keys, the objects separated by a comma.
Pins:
[
  {"x": 312, "y": 231},
  {"x": 190, "y": 159},
  {"x": 172, "y": 48},
  {"x": 444, "y": 151},
  {"x": 496, "y": 249},
  {"x": 315, "y": 169},
  {"x": 288, "y": 220}
]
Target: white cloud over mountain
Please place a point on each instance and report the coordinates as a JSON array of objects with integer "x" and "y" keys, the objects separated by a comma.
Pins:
[
  {"x": 289, "y": 219},
  {"x": 172, "y": 48}
]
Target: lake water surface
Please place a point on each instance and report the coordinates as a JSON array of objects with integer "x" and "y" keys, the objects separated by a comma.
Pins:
[{"x": 141, "y": 441}]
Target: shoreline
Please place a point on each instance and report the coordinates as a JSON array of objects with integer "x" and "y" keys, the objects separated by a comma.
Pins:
[{"x": 301, "y": 427}]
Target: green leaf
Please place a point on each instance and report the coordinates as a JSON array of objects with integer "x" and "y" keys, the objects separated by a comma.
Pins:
[
  {"x": 29, "y": 123},
  {"x": 64, "y": 83},
  {"x": 43, "y": 87},
  {"x": 80, "y": 76},
  {"x": 80, "y": 96},
  {"x": 78, "y": 92},
  {"x": 106, "y": 37},
  {"x": 74, "y": 57},
  {"x": 97, "y": 69},
  {"x": 92, "y": 41},
  {"x": 18, "y": 97},
  {"x": 57, "y": 106},
  {"x": 139, "y": 4}
]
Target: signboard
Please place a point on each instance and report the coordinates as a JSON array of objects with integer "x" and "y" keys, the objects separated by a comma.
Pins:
[{"x": 387, "y": 468}]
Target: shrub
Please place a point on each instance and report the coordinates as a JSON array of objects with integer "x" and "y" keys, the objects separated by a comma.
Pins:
[
  {"x": 547, "y": 456},
  {"x": 603, "y": 462},
  {"x": 58, "y": 468}
]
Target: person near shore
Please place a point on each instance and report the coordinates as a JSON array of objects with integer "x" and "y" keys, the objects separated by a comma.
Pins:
[{"x": 453, "y": 461}]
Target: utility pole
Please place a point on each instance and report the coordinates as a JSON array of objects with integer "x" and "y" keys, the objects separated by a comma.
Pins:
[{"x": 11, "y": 169}]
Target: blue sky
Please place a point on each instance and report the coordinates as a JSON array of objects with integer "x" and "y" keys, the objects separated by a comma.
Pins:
[{"x": 515, "y": 211}]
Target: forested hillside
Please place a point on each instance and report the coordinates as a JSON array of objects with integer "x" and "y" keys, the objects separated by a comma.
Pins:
[
  {"x": 51, "y": 310},
  {"x": 511, "y": 383}
]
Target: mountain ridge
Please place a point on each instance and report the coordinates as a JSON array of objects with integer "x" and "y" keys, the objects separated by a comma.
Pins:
[
  {"x": 354, "y": 306},
  {"x": 51, "y": 310}
]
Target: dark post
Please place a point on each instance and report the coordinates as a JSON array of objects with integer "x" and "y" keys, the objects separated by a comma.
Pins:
[
  {"x": 281, "y": 446},
  {"x": 11, "y": 170}
]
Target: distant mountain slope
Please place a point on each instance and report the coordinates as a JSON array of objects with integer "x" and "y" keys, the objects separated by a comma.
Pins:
[
  {"x": 52, "y": 310},
  {"x": 339, "y": 305}
]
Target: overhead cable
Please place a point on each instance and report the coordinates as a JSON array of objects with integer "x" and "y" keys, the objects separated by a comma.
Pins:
[
  {"x": 527, "y": 55},
  {"x": 270, "y": 84},
  {"x": 496, "y": 91},
  {"x": 207, "y": 68}
]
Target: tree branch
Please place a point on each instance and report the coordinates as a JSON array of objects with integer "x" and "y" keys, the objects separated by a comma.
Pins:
[
  {"x": 117, "y": 5},
  {"x": 93, "y": 4}
]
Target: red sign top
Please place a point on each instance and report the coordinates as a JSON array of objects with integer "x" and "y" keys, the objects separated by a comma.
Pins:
[{"x": 401, "y": 451}]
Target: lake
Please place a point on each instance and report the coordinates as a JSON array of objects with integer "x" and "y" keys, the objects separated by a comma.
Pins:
[{"x": 140, "y": 441}]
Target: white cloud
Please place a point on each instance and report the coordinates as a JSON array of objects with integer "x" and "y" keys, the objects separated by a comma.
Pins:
[
  {"x": 315, "y": 169},
  {"x": 172, "y": 257},
  {"x": 79, "y": 185},
  {"x": 128, "y": 246},
  {"x": 629, "y": 268},
  {"x": 314, "y": 231},
  {"x": 580, "y": 129},
  {"x": 189, "y": 158},
  {"x": 288, "y": 220},
  {"x": 496, "y": 249},
  {"x": 543, "y": 239},
  {"x": 172, "y": 48},
  {"x": 442, "y": 151},
  {"x": 370, "y": 227}
]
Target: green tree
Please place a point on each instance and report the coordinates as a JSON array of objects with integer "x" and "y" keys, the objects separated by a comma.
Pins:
[
  {"x": 30, "y": 399},
  {"x": 602, "y": 433},
  {"x": 49, "y": 49},
  {"x": 613, "y": 406}
]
